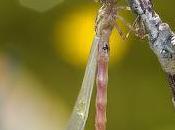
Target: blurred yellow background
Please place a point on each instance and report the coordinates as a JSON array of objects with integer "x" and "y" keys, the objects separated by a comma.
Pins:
[{"x": 44, "y": 46}]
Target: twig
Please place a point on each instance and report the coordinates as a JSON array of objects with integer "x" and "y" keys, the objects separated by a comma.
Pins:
[{"x": 161, "y": 37}]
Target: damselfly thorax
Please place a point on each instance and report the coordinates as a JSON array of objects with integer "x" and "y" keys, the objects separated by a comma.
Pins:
[{"x": 109, "y": 13}]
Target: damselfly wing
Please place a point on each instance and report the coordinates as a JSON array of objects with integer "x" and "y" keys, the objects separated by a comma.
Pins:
[{"x": 81, "y": 108}]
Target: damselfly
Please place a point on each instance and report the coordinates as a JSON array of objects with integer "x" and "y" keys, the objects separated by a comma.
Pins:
[{"x": 97, "y": 67}]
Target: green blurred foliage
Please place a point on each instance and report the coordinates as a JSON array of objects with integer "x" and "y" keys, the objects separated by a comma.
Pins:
[{"x": 138, "y": 93}]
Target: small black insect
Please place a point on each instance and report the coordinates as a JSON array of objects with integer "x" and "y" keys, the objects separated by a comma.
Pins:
[{"x": 106, "y": 47}]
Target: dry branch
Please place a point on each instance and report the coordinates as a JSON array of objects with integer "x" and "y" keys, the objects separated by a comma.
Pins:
[{"x": 161, "y": 37}]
